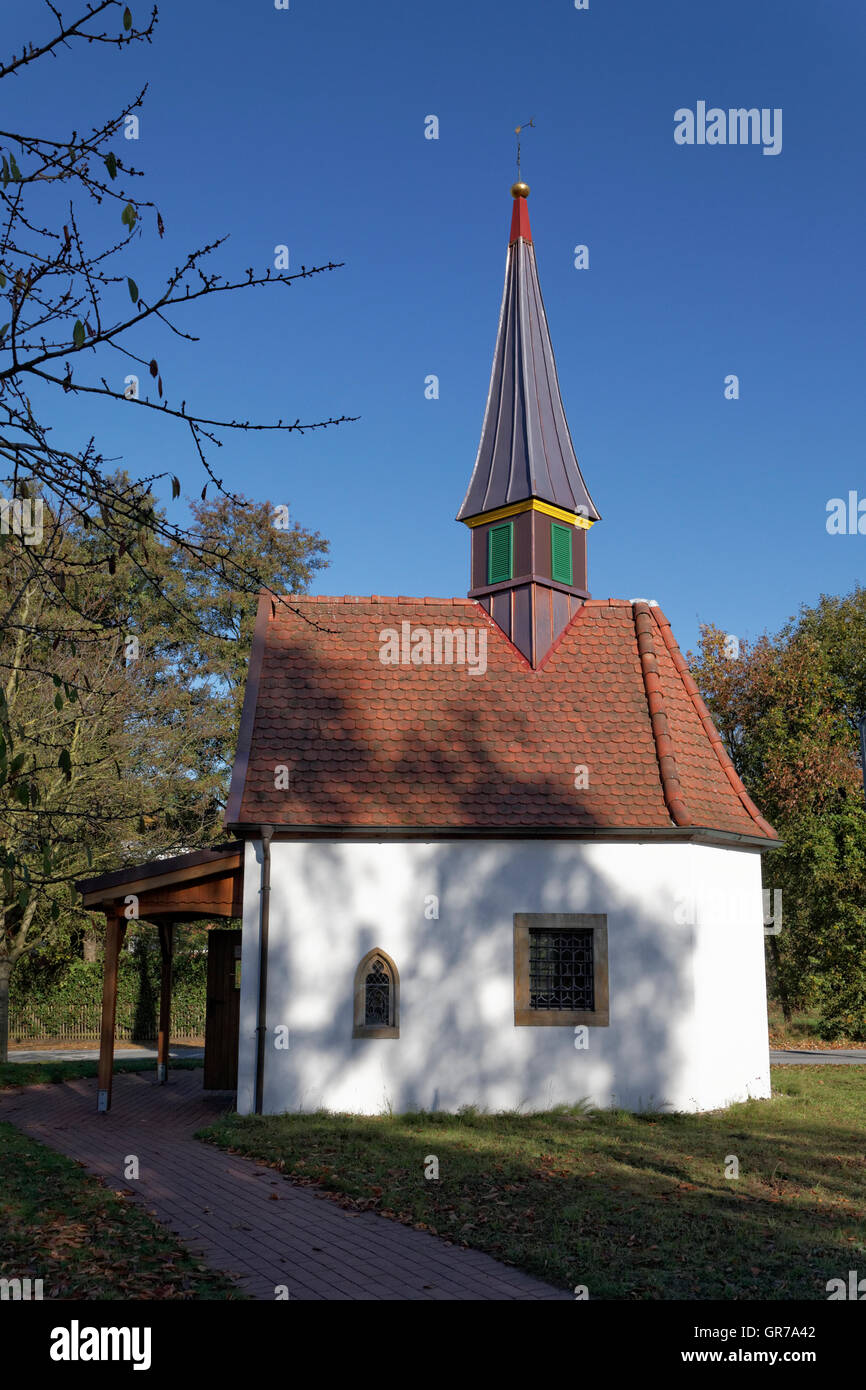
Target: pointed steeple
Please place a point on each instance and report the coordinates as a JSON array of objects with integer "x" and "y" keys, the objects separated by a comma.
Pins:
[{"x": 527, "y": 504}]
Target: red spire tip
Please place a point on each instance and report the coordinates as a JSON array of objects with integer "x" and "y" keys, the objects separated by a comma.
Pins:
[{"x": 520, "y": 215}]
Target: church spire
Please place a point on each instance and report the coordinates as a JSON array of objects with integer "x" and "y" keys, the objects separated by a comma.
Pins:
[{"x": 527, "y": 504}]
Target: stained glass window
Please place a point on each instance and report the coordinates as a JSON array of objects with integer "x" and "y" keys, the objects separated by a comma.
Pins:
[{"x": 377, "y": 995}]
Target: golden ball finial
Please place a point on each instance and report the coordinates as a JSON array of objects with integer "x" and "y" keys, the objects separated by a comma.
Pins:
[{"x": 520, "y": 190}]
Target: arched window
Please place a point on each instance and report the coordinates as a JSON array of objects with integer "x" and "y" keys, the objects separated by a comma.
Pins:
[{"x": 377, "y": 997}]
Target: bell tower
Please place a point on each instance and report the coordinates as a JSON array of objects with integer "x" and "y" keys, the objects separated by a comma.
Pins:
[{"x": 527, "y": 506}]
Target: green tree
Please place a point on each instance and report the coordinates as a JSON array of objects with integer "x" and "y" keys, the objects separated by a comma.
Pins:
[
  {"x": 788, "y": 709},
  {"x": 102, "y": 754},
  {"x": 70, "y": 731},
  {"x": 210, "y": 657},
  {"x": 114, "y": 755}
]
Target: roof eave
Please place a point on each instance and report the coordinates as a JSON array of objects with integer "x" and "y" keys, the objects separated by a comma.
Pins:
[
  {"x": 214, "y": 860},
  {"x": 248, "y": 713},
  {"x": 700, "y": 834}
]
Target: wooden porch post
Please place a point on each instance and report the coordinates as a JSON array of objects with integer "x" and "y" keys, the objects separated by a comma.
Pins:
[
  {"x": 115, "y": 930},
  {"x": 166, "y": 946}
]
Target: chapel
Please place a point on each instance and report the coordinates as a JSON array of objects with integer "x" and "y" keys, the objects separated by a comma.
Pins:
[{"x": 488, "y": 850}]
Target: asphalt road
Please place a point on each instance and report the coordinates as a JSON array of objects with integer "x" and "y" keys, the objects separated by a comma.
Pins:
[{"x": 851, "y": 1057}]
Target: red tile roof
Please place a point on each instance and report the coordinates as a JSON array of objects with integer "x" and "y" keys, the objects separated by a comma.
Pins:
[{"x": 369, "y": 745}]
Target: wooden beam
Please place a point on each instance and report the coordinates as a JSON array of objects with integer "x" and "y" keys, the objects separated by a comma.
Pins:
[
  {"x": 222, "y": 897},
  {"x": 115, "y": 930},
  {"x": 227, "y": 864},
  {"x": 166, "y": 946}
]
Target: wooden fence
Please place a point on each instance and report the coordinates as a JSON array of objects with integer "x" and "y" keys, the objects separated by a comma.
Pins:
[{"x": 80, "y": 1023}]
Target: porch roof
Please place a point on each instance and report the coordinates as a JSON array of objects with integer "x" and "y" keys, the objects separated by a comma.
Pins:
[{"x": 203, "y": 883}]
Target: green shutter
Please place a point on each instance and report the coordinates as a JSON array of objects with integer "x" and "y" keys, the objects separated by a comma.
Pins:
[
  {"x": 560, "y": 554},
  {"x": 499, "y": 553}
]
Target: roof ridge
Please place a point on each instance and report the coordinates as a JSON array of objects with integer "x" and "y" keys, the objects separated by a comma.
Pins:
[
  {"x": 664, "y": 745},
  {"x": 715, "y": 738},
  {"x": 455, "y": 601},
  {"x": 377, "y": 598}
]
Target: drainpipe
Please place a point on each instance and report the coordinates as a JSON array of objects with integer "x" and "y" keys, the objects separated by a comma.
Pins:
[{"x": 266, "y": 832}]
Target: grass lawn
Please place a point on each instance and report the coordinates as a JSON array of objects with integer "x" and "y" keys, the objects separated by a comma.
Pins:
[
  {"x": 634, "y": 1207},
  {"x": 84, "y": 1241},
  {"x": 32, "y": 1073}
]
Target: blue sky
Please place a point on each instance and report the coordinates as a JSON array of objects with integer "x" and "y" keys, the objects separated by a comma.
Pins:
[{"x": 306, "y": 127}]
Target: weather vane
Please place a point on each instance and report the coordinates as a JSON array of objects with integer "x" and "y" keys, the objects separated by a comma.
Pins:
[{"x": 517, "y": 131}]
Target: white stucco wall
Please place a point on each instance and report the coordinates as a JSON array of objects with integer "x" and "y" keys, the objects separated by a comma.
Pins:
[{"x": 688, "y": 1025}]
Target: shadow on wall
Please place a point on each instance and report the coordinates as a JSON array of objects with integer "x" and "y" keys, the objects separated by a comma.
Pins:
[
  {"x": 458, "y": 1043},
  {"x": 451, "y": 764},
  {"x": 453, "y": 1047}
]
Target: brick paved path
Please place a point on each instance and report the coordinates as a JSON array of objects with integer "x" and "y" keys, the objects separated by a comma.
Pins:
[{"x": 221, "y": 1205}]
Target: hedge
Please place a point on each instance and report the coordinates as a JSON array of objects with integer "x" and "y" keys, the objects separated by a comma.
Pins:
[{"x": 68, "y": 1004}]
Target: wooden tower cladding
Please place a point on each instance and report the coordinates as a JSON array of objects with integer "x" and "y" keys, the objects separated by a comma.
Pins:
[{"x": 527, "y": 505}]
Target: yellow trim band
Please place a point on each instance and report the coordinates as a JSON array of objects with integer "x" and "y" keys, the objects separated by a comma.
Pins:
[{"x": 531, "y": 505}]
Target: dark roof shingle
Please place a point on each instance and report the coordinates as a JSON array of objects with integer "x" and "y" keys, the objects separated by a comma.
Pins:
[{"x": 436, "y": 747}]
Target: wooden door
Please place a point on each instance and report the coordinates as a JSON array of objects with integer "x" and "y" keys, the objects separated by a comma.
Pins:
[{"x": 222, "y": 1019}]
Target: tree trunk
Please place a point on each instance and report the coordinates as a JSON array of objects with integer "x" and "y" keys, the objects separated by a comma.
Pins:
[
  {"x": 780, "y": 982},
  {"x": 5, "y": 976},
  {"x": 92, "y": 945}
]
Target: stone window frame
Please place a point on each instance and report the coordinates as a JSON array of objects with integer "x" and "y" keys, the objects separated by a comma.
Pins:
[
  {"x": 524, "y": 1016},
  {"x": 361, "y": 1029}
]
